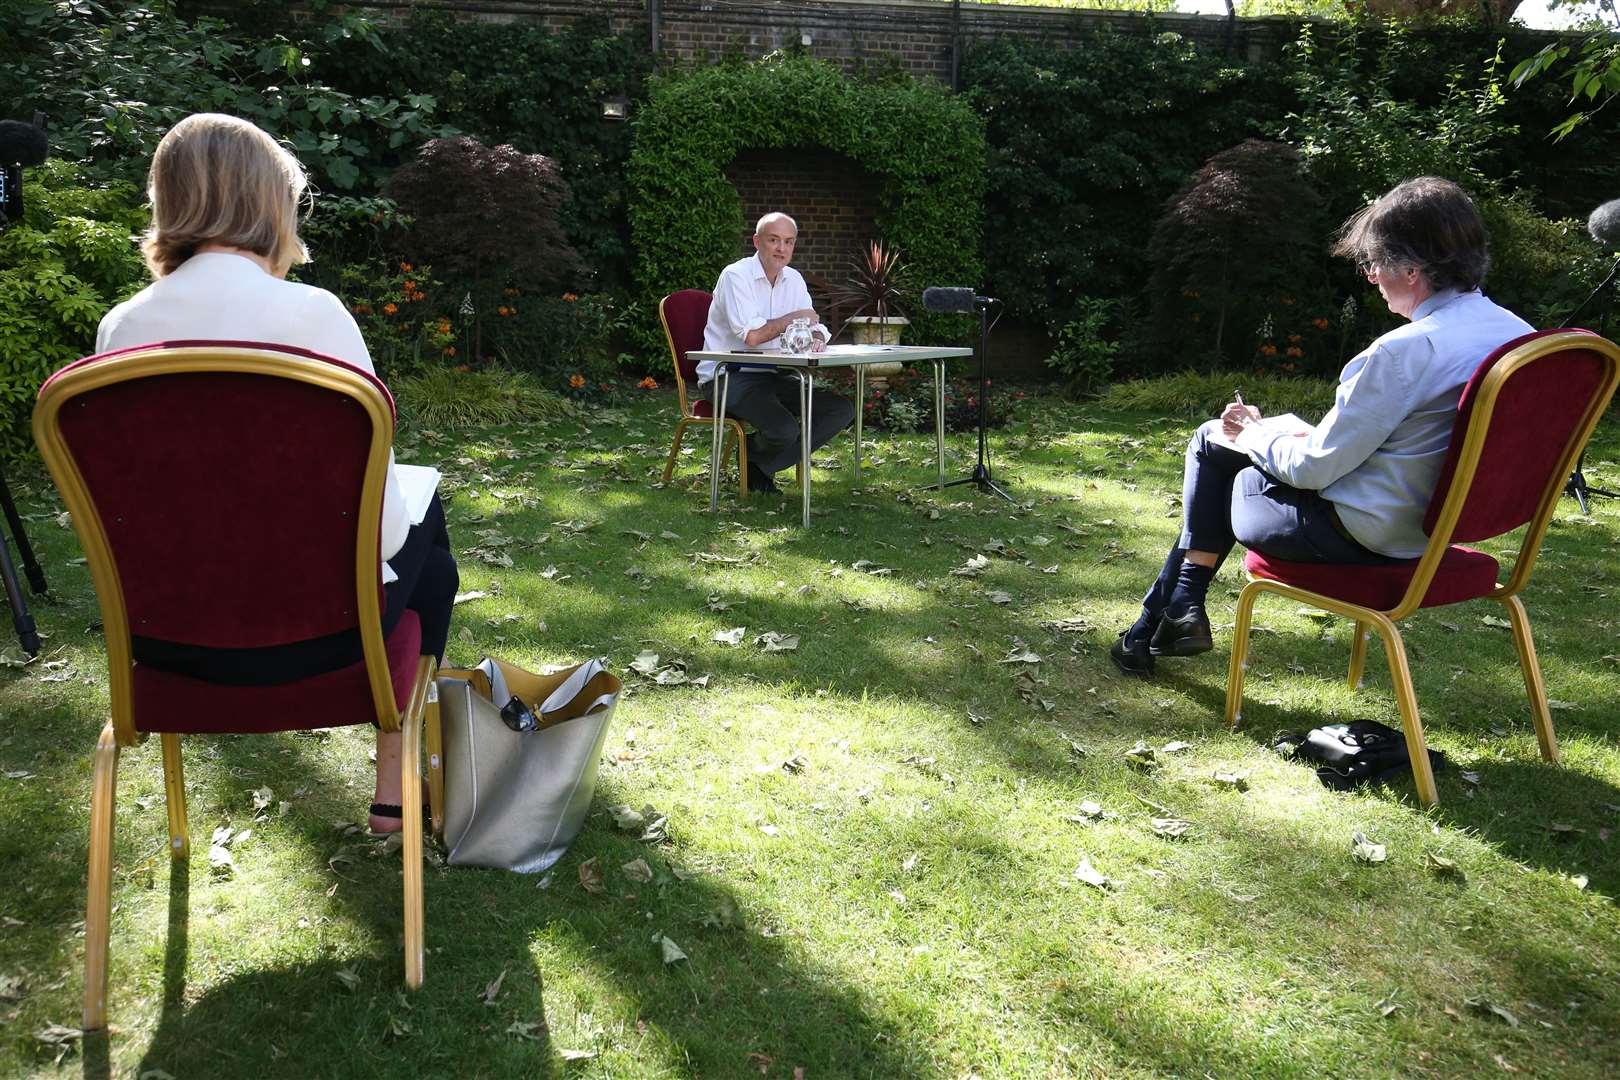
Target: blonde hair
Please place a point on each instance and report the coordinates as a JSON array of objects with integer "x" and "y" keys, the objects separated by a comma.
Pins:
[{"x": 220, "y": 179}]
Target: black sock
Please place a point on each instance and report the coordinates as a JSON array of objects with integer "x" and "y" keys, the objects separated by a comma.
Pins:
[{"x": 1192, "y": 584}]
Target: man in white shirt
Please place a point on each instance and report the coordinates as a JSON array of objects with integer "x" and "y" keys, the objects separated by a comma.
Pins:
[{"x": 754, "y": 301}]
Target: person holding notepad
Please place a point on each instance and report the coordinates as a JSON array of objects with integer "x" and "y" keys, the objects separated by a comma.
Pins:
[
  {"x": 1354, "y": 487},
  {"x": 224, "y": 234}
]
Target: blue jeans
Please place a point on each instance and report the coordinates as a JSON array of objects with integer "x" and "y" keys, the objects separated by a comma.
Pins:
[{"x": 1226, "y": 500}]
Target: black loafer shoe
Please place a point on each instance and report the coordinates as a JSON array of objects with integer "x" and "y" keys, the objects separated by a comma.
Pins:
[
  {"x": 1131, "y": 657},
  {"x": 760, "y": 481},
  {"x": 1186, "y": 636}
]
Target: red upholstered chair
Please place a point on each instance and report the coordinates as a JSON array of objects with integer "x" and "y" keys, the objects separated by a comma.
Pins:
[
  {"x": 684, "y": 315},
  {"x": 229, "y": 494},
  {"x": 1521, "y": 423}
]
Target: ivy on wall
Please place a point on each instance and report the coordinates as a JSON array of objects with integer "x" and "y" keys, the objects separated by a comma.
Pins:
[{"x": 686, "y": 217}]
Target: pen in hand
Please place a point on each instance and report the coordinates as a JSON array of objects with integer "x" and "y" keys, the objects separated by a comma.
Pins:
[{"x": 1237, "y": 396}]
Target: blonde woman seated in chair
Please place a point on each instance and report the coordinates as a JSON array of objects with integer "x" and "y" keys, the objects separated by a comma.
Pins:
[{"x": 225, "y": 199}]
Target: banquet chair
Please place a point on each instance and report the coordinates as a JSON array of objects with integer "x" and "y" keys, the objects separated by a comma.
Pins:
[
  {"x": 229, "y": 495},
  {"x": 1522, "y": 421},
  {"x": 684, "y": 315}
]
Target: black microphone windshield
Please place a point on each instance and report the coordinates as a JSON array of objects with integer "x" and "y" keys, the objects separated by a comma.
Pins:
[
  {"x": 1604, "y": 224},
  {"x": 21, "y": 144},
  {"x": 947, "y": 299}
]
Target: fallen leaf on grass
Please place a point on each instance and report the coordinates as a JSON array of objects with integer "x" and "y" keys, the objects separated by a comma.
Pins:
[
  {"x": 1090, "y": 875},
  {"x": 1171, "y": 828},
  {"x": 581, "y": 1055},
  {"x": 1174, "y": 747},
  {"x": 638, "y": 871},
  {"x": 772, "y": 641},
  {"x": 672, "y": 952},
  {"x": 1441, "y": 865},
  {"x": 796, "y": 764},
  {"x": 975, "y": 566},
  {"x": 220, "y": 860},
  {"x": 1141, "y": 756},
  {"x": 626, "y": 818},
  {"x": 1387, "y": 1006},
  {"x": 493, "y": 990},
  {"x": 1021, "y": 654},
  {"x": 645, "y": 662},
  {"x": 590, "y": 876},
  {"x": 60, "y": 1038},
  {"x": 1492, "y": 620},
  {"x": 348, "y": 977},
  {"x": 1366, "y": 850},
  {"x": 523, "y": 1029},
  {"x": 1233, "y": 780},
  {"x": 999, "y": 596},
  {"x": 1486, "y": 1007},
  {"x": 734, "y": 636}
]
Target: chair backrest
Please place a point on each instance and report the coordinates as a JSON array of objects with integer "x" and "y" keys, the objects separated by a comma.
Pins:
[
  {"x": 684, "y": 315},
  {"x": 1522, "y": 421},
  {"x": 227, "y": 494}
]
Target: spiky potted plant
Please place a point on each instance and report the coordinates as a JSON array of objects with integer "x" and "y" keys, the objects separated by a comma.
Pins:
[{"x": 874, "y": 287}]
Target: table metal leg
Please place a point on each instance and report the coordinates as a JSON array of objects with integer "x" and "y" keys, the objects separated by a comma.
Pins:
[
  {"x": 860, "y": 407},
  {"x": 807, "y": 386},
  {"x": 718, "y": 442},
  {"x": 939, "y": 418}
]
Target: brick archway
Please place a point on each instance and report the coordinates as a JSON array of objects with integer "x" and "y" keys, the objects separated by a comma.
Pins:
[{"x": 832, "y": 197}]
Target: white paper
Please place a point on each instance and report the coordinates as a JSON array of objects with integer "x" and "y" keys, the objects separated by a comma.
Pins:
[
  {"x": 417, "y": 483},
  {"x": 1285, "y": 424}
]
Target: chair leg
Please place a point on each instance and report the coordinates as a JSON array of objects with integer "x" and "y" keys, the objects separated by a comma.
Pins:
[
  {"x": 735, "y": 432},
  {"x": 1240, "y": 653},
  {"x": 1358, "y": 654},
  {"x": 98, "y": 902},
  {"x": 411, "y": 807},
  {"x": 174, "y": 786},
  {"x": 435, "y": 759},
  {"x": 1530, "y": 668},
  {"x": 674, "y": 449},
  {"x": 1416, "y": 748}
]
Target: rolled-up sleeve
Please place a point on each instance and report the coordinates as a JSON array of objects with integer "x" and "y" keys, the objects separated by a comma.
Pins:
[
  {"x": 742, "y": 310},
  {"x": 1368, "y": 405}
]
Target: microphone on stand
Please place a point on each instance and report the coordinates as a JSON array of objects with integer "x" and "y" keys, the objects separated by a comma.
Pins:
[
  {"x": 958, "y": 300},
  {"x": 1604, "y": 225},
  {"x": 20, "y": 144}
]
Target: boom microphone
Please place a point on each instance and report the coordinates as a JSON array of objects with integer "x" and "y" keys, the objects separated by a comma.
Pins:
[
  {"x": 952, "y": 299},
  {"x": 22, "y": 144}
]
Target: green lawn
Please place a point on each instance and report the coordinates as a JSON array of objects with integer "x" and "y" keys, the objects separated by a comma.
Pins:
[{"x": 873, "y": 839}]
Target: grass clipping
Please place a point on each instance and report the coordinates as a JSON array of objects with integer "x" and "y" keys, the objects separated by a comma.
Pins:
[{"x": 442, "y": 397}]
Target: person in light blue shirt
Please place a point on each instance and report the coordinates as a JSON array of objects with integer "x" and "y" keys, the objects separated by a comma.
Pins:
[{"x": 1354, "y": 487}]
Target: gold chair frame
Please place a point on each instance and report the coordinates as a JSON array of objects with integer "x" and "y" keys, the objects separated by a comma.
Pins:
[
  {"x": 1429, "y": 564},
  {"x": 119, "y": 732}
]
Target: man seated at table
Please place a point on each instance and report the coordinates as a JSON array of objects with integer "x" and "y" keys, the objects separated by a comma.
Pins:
[{"x": 754, "y": 301}]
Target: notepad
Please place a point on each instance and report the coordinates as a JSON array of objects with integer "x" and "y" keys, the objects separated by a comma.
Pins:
[
  {"x": 417, "y": 483},
  {"x": 1284, "y": 424}
]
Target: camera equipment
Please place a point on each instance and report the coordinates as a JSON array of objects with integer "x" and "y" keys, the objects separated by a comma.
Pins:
[
  {"x": 27, "y": 636},
  {"x": 950, "y": 300},
  {"x": 20, "y": 144}
]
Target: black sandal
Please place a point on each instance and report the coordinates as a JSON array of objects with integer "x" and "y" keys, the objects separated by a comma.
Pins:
[{"x": 388, "y": 810}]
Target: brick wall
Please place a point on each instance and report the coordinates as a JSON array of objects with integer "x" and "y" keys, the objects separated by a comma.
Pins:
[{"x": 832, "y": 198}]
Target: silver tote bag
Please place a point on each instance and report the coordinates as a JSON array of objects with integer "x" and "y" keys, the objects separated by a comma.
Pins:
[{"x": 516, "y": 799}]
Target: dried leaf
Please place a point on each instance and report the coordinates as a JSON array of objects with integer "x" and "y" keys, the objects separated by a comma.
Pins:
[
  {"x": 771, "y": 641},
  {"x": 1174, "y": 747},
  {"x": 975, "y": 566},
  {"x": 590, "y": 876},
  {"x": 1141, "y": 756},
  {"x": 1387, "y": 1006},
  {"x": 999, "y": 596},
  {"x": 1090, "y": 875},
  {"x": 1021, "y": 654},
  {"x": 672, "y": 951},
  {"x": 1441, "y": 865},
  {"x": 796, "y": 764},
  {"x": 1171, "y": 828},
  {"x": 646, "y": 662},
  {"x": 220, "y": 860},
  {"x": 638, "y": 871},
  {"x": 493, "y": 990},
  {"x": 1489, "y": 1008},
  {"x": 1234, "y": 780},
  {"x": 583, "y": 1055},
  {"x": 734, "y": 636},
  {"x": 626, "y": 818},
  {"x": 1366, "y": 850},
  {"x": 523, "y": 1029},
  {"x": 1492, "y": 620},
  {"x": 348, "y": 977}
]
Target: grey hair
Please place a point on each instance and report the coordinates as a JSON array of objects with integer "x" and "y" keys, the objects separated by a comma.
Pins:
[
  {"x": 1428, "y": 223},
  {"x": 772, "y": 217}
]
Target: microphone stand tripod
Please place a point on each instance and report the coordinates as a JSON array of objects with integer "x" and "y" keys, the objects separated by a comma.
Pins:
[
  {"x": 1577, "y": 485},
  {"x": 27, "y": 635},
  {"x": 980, "y": 476}
]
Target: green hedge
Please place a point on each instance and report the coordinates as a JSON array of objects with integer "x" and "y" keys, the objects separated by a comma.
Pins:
[{"x": 686, "y": 218}]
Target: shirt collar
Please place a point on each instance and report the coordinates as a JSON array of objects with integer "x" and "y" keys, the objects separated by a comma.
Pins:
[
  {"x": 1435, "y": 303},
  {"x": 759, "y": 267}
]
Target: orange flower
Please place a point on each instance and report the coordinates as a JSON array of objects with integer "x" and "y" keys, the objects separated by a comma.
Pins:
[
  {"x": 444, "y": 326},
  {"x": 390, "y": 309},
  {"x": 570, "y": 297},
  {"x": 576, "y": 381},
  {"x": 1294, "y": 338},
  {"x": 449, "y": 350},
  {"x": 463, "y": 368},
  {"x": 503, "y": 310},
  {"x": 510, "y": 292},
  {"x": 404, "y": 267},
  {"x": 649, "y": 383},
  {"x": 362, "y": 309},
  {"x": 1320, "y": 324},
  {"x": 1295, "y": 350},
  {"x": 1268, "y": 350},
  {"x": 410, "y": 286},
  {"x": 418, "y": 296}
]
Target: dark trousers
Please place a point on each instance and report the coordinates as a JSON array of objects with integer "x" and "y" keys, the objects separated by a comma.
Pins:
[
  {"x": 1227, "y": 500},
  {"x": 427, "y": 585},
  {"x": 769, "y": 400}
]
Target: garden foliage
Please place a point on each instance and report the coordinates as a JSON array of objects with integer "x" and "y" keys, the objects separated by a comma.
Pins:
[{"x": 686, "y": 218}]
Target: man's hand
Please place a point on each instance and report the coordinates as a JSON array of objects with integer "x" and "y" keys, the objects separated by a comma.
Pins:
[
  {"x": 818, "y": 341},
  {"x": 1235, "y": 417}
]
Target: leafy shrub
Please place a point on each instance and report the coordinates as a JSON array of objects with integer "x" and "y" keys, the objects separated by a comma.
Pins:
[
  {"x": 1239, "y": 243},
  {"x": 488, "y": 213},
  {"x": 1084, "y": 144},
  {"x": 907, "y": 404},
  {"x": 70, "y": 260},
  {"x": 1084, "y": 354},
  {"x": 1199, "y": 397},
  {"x": 558, "y": 337},
  {"x": 1540, "y": 268},
  {"x": 117, "y": 74},
  {"x": 452, "y": 398}
]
